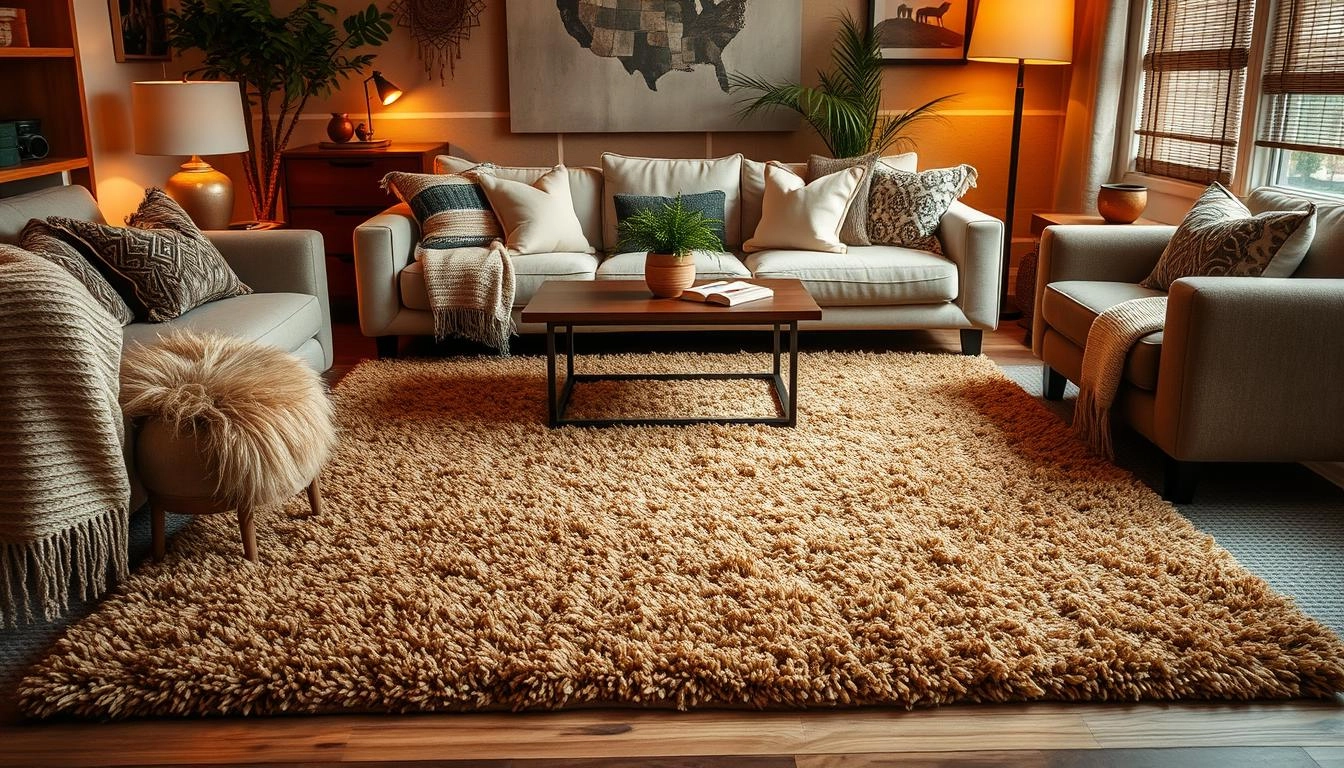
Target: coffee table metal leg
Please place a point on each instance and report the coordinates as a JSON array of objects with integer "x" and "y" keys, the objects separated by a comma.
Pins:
[
  {"x": 569, "y": 352},
  {"x": 551, "y": 411},
  {"x": 776, "y": 349},
  {"x": 793, "y": 374}
]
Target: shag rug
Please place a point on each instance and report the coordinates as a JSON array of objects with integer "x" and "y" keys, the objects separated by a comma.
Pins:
[{"x": 927, "y": 534}]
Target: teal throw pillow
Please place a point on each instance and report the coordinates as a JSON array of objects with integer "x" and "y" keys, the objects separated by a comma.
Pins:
[{"x": 709, "y": 204}]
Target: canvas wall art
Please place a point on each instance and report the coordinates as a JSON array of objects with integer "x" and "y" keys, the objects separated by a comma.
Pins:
[
  {"x": 922, "y": 30},
  {"x": 646, "y": 65}
]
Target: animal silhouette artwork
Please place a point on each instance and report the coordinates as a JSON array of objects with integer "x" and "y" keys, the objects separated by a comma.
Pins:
[
  {"x": 932, "y": 13},
  {"x": 902, "y": 11}
]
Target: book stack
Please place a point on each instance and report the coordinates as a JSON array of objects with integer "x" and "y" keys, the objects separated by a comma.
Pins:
[{"x": 727, "y": 293}]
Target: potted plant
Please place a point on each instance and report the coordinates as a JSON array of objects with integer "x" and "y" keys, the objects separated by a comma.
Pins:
[
  {"x": 845, "y": 109},
  {"x": 280, "y": 62},
  {"x": 669, "y": 233}
]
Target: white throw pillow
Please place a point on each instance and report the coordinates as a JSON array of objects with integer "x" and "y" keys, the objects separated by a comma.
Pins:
[
  {"x": 669, "y": 178},
  {"x": 537, "y": 218},
  {"x": 804, "y": 217}
]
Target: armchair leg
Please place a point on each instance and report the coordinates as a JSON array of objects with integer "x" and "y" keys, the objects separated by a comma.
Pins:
[
  {"x": 387, "y": 346},
  {"x": 1052, "y": 383},
  {"x": 1178, "y": 481},
  {"x": 972, "y": 339}
]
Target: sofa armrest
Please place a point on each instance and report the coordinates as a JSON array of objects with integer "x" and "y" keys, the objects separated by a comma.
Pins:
[
  {"x": 974, "y": 242},
  {"x": 1104, "y": 252},
  {"x": 1251, "y": 370},
  {"x": 384, "y": 245},
  {"x": 281, "y": 261}
]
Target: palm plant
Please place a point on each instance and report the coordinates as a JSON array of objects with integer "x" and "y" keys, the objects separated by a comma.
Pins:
[
  {"x": 672, "y": 228},
  {"x": 845, "y": 108}
]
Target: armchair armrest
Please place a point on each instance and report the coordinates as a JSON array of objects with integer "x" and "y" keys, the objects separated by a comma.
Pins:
[
  {"x": 384, "y": 245},
  {"x": 1251, "y": 370},
  {"x": 974, "y": 242},
  {"x": 1104, "y": 252},
  {"x": 281, "y": 261}
]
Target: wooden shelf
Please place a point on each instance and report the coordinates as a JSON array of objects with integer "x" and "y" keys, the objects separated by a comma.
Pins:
[
  {"x": 37, "y": 53},
  {"x": 32, "y": 168}
]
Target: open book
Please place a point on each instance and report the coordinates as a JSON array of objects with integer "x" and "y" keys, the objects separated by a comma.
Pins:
[{"x": 727, "y": 293}]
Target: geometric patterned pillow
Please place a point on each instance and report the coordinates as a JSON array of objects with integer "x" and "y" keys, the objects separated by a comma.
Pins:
[
  {"x": 162, "y": 273},
  {"x": 1219, "y": 236},
  {"x": 159, "y": 211},
  {"x": 39, "y": 238},
  {"x": 905, "y": 208},
  {"x": 855, "y": 229},
  {"x": 451, "y": 208}
]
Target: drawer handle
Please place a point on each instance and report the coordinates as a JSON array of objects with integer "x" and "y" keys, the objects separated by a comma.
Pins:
[
  {"x": 364, "y": 212},
  {"x": 350, "y": 163}
]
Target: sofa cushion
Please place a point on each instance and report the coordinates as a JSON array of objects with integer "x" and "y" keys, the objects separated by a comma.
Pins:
[
  {"x": 658, "y": 176},
  {"x": 529, "y": 272},
  {"x": 39, "y": 238},
  {"x": 585, "y": 187},
  {"x": 805, "y": 215},
  {"x": 855, "y": 229},
  {"x": 753, "y": 184},
  {"x": 451, "y": 208},
  {"x": 708, "y": 204},
  {"x": 1070, "y": 306},
  {"x": 73, "y": 201},
  {"x": 284, "y": 320},
  {"x": 709, "y": 265},
  {"x": 906, "y": 208},
  {"x": 1325, "y": 257},
  {"x": 537, "y": 217},
  {"x": 871, "y": 275}
]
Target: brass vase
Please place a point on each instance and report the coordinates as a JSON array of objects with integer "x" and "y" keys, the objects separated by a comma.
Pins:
[{"x": 667, "y": 275}]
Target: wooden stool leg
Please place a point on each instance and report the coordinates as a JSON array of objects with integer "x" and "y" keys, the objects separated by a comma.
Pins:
[
  {"x": 315, "y": 497},
  {"x": 157, "y": 520},
  {"x": 247, "y": 525}
]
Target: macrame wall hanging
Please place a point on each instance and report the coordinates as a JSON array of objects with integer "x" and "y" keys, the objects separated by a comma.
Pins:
[{"x": 439, "y": 28}]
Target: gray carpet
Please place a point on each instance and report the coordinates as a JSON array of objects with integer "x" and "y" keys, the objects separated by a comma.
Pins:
[{"x": 1283, "y": 522}]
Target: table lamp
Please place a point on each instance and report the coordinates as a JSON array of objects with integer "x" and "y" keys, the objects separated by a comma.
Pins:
[
  {"x": 202, "y": 117},
  {"x": 1020, "y": 32},
  {"x": 388, "y": 92}
]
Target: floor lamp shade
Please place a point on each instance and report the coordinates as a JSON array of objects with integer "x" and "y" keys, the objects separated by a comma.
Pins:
[{"x": 192, "y": 118}]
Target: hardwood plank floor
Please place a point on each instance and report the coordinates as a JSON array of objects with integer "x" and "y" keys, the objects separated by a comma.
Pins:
[{"x": 1281, "y": 734}]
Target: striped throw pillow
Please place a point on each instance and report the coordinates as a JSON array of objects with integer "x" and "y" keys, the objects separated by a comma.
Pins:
[{"x": 451, "y": 208}]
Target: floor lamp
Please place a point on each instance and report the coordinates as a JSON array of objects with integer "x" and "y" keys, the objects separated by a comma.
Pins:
[{"x": 1020, "y": 32}]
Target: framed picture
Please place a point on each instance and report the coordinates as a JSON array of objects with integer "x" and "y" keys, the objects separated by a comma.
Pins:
[
  {"x": 922, "y": 31},
  {"x": 139, "y": 30}
]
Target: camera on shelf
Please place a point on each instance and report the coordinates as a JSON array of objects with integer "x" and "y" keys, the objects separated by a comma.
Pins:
[{"x": 32, "y": 144}]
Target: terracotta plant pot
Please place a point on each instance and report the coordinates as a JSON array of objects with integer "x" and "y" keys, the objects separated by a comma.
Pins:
[
  {"x": 339, "y": 128},
  {"x": 666, "y": 275},
  {"x": 1122, "y": 203}
]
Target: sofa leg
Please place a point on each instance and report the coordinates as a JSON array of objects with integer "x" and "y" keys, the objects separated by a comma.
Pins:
[
  {"x": 1052, "y": 383},
  {"x": 1178, "y": 481},
  {"x": 387, "y": 346},
  {"x": 972, "y": 339}
]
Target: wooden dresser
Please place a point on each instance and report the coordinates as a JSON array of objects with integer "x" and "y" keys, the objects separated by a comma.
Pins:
[{"x": 335, "y": 190}]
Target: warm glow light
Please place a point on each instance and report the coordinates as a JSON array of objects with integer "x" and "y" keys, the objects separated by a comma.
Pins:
[
  {"x": 1031, "y": 31},
  {"x": 391, "y": 97},
  {"x": 388, "y": 91}
]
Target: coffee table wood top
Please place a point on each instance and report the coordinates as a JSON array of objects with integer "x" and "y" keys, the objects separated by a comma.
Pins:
[{"x": 628, "y": 302}]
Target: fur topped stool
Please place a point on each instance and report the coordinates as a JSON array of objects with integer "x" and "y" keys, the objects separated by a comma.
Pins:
[{"x": 224, "y": 425}]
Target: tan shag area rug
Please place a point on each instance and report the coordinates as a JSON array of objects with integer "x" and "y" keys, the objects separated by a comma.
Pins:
[{"x": 928, "y": 534}]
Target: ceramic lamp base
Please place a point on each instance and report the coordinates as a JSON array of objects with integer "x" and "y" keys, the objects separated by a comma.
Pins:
[{"x": 204, "y": 193}]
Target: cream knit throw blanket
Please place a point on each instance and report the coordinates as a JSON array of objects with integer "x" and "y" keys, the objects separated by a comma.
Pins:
[
  {"x": 470, "y": 293},
  {"x": 1109, "y": 340},
  {"x": 64, "y": 492}
]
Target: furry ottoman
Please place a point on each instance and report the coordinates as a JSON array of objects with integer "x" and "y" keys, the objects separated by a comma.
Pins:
[{"x": 224, "y": 425}]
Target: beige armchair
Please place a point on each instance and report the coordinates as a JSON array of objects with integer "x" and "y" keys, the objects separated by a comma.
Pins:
[{"x": 1245, "y": 369}]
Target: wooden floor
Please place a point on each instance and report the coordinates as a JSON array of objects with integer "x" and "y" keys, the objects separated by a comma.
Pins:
[{"x": 1283, "y": 735}]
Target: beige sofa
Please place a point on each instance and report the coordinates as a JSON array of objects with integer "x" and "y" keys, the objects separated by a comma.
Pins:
[
  {"x": 1245, "y": 369},
  {"x": 871, "y": 287}
]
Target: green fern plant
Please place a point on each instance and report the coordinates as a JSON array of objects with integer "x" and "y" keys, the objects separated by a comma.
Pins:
[
  {"x": 671, "y": 228},
  {"x": 845, "y": 108}
]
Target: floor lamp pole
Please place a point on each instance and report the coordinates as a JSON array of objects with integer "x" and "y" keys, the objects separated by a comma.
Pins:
[{"x": 1004, "y": 310}]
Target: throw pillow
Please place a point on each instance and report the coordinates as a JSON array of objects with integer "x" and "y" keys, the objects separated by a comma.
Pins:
[
  {"x": 708, "y": 204},
  {"x": 537, "y": 218},
  {"x": 159, "y": 211},
  {"x": 38, "y": 237},
  {"x": 1219, "y": 236},
  {"x": 804, "y": 216},
  {"x": 161, "y": 273},
  {"x": 451, "y": 208},
  {"x": 662, "y": 176},
  {"x": 904, "y": 208},
  {"x": 855, "y": 229}
]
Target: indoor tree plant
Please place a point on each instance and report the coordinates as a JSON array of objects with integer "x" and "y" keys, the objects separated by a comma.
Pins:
[
  {"x": 280, "y": 62},
  {"x": 845, "y": 108},
  {"x": 669, "y": 233}
]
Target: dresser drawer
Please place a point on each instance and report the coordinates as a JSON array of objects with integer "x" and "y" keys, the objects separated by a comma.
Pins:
[
  {"x": 337, "y": 224},
  {"x": 342, "y": 181}
]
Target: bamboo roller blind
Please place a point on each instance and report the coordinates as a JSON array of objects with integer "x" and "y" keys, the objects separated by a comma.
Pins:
[{"x": 1304, "y": 78}]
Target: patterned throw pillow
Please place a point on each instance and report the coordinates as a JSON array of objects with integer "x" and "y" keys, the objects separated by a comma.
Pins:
[
  {"x": 161, "y": 273},
  {"x": 905, "y": 208},
  {"x": 39, "y": 238},
  {"x": 451, "y": 208},
  {"x": 159, "y": 211},
  {"x": 855, "y": 229},
  {"x": 1219, "y": 236},
  {"x": 708, "y": 204}
]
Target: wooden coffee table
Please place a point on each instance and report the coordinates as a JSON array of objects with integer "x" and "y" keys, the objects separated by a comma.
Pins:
[{"x": 564, "y": 304}]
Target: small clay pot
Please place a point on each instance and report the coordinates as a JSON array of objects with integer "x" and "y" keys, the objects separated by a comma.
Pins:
[
  {"x": 1122, "y": 203},
  {"x": 339, "y": 128},
  {"x": 666, "y": 275}
]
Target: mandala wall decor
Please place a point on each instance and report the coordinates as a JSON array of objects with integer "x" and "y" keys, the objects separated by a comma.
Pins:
[
  {"x": 646, "y": 65},
  {"x": 439, "y": 28}
]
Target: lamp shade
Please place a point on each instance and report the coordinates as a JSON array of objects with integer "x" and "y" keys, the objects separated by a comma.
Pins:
[
  {"x": 388, "y": 91},
  {"x": 188, "y": 118},
  {"x": 1031, "y": 31}
]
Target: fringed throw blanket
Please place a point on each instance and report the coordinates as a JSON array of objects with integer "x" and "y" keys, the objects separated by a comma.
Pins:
[
  {"x": 470, "y": 293},
  {"x": 64, "y": 492},
  {"x": 1109, "y": 340}
]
